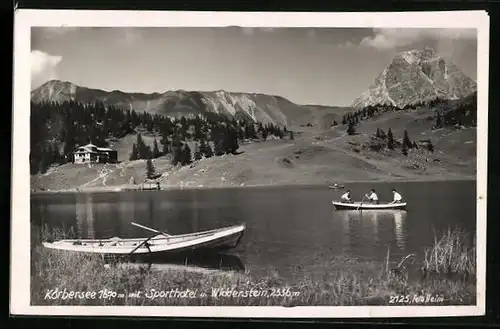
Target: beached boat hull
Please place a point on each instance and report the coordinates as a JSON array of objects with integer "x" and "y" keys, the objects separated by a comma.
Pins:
[
  {"x": 213, "y": 240},
  {"x": 369, "y": 206}
]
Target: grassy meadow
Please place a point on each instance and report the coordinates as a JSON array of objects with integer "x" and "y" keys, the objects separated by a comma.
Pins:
[{"x": 446, "y": 276}]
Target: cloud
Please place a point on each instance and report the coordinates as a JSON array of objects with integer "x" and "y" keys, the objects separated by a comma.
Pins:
[
  {"x": 43, "y": 67},
  {"x": 389, "y": 38}
]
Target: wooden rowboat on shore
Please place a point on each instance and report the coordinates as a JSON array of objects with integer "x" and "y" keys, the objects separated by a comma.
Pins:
[
  {"x": 159, "y": 243},
  {"x": 372, "y": 206}
]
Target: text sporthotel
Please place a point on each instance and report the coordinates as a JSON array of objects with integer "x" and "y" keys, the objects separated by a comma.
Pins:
[{"x": 151, "y": 294}]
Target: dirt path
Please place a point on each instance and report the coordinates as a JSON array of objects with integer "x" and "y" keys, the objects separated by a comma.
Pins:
[{"x": 103, "y": 173}]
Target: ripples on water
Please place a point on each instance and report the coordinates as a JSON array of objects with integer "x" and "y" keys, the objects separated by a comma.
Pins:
[{"x": 289, "y": 229}]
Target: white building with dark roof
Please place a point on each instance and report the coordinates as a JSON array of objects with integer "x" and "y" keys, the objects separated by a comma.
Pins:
[{"x": 92, "y": 154}]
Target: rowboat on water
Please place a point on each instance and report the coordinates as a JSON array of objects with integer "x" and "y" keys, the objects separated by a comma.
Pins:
[
  {"x": 372, "y": 206},
  {"x": 159, "y": 243},
  {"x": 336, "y": 186}
]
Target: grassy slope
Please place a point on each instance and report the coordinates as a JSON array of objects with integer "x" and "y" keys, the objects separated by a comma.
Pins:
[{"x": 316, "y": 156}]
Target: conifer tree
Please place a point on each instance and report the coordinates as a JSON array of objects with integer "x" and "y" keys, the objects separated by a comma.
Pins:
[
  {"x": 150, "y": 169},
  {"x": 350, "y": 128},
  {"x": 166, "y": 148},
  {"x": 177, "y": 152},
  {"x": 142, "y": 152},
  {"x": 197, "y": 152},
  {"x": 406, "y": 140},
  {"x": 56, "y": 156},
  {"x": 218, "y": 140},
  {"x": 439, "y": 121},
  {"x": 231, "y": 141},
  {"x": 134, "y": 155},
  {"x": 46, "y": 160},
  {"x": 390, "y": 140},
  {"x": 205, "y": 149},
  {"x": 264, "y": 134},
  {"x": 156, "y": 151},
  {"x": 186, "y": 155},
  {"x": 250, "y": 131},
  {"x": 404, "y": 149}
]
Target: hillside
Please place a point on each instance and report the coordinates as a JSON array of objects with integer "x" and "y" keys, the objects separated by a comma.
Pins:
[
  {"x": 312, "y": 157},
  {"x": 417, "y": 76},
  {"x": 257, "y": 107}
]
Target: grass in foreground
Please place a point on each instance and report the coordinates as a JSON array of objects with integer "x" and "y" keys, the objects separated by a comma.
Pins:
[
  {"x": 451, "y": 255},
  {"x": 54, "y": 272}
]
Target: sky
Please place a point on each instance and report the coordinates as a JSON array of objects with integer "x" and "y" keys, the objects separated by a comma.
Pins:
[{"x": 323, "y": 66}]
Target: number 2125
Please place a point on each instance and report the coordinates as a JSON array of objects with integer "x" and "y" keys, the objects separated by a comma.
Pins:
[{"x": 399, "y": 299}]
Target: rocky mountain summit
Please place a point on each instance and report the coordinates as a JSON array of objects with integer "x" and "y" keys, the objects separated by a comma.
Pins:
[{"x": 417, "y": 76}]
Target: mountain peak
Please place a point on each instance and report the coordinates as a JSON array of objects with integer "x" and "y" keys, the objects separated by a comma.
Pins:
[
  {"x": 55, "y": 90},
  {"x": 416, "y": 56},
  {"x": 415, "y": 76},
  {"x": 55, "y": 82}
]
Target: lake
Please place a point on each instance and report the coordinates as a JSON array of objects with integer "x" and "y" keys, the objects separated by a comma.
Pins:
[{"x": 293, "y": 230}]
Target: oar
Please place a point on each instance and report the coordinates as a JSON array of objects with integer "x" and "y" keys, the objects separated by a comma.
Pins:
[
  {"x": 146, "y": 241},
  {"x": 142, "y": 244},
  {"x": 151, "y": 229},
  {"x": 361, "y": 202}
]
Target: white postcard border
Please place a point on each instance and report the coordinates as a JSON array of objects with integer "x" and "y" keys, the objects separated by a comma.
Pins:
[{"x": 20, "y": 191}]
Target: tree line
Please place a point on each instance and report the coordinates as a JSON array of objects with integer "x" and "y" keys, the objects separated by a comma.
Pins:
[
  {"x": 447, "y": 113},
  {"x": 391, "y": 143},
  {"x": 57, "y": 128},
  {"x": 461, "y": 114}
]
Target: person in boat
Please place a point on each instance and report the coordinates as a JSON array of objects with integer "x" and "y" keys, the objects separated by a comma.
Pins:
[
  {"x": 396, "y": 197},
  {"x": 346, "y": 197},
  {"x": 372, "y": 196}
]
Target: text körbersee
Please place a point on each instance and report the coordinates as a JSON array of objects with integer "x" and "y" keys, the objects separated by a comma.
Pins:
[{"x": 63, "y": 294}]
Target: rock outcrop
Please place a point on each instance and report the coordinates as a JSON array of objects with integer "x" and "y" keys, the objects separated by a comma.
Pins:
[{"x": 416, "y": 76}]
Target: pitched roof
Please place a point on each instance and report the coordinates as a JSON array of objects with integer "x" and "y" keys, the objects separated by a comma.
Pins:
[{"x": 91, "y": 148}]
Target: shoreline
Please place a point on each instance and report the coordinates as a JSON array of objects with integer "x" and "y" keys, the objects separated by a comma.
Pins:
[
  {"x": 451, "y": 279},
  {"x": 137, "y": 187}
]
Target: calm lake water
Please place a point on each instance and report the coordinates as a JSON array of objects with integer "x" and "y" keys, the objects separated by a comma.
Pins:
[{"x": 289, "y": 229}]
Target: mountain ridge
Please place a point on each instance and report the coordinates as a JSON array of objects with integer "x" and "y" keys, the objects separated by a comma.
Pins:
[{"x": 265, "y": 108}]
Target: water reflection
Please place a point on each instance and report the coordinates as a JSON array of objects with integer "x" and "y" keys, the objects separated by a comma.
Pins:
[
  {"x": 399, "y": 217},
  {"x": 368, "y": 229},
  {"x": 85, "y": 215},
  {"x": 208, "y": 260},
  {"x": 126, "y": 214},
  {"x": 285, "y": 226}
]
